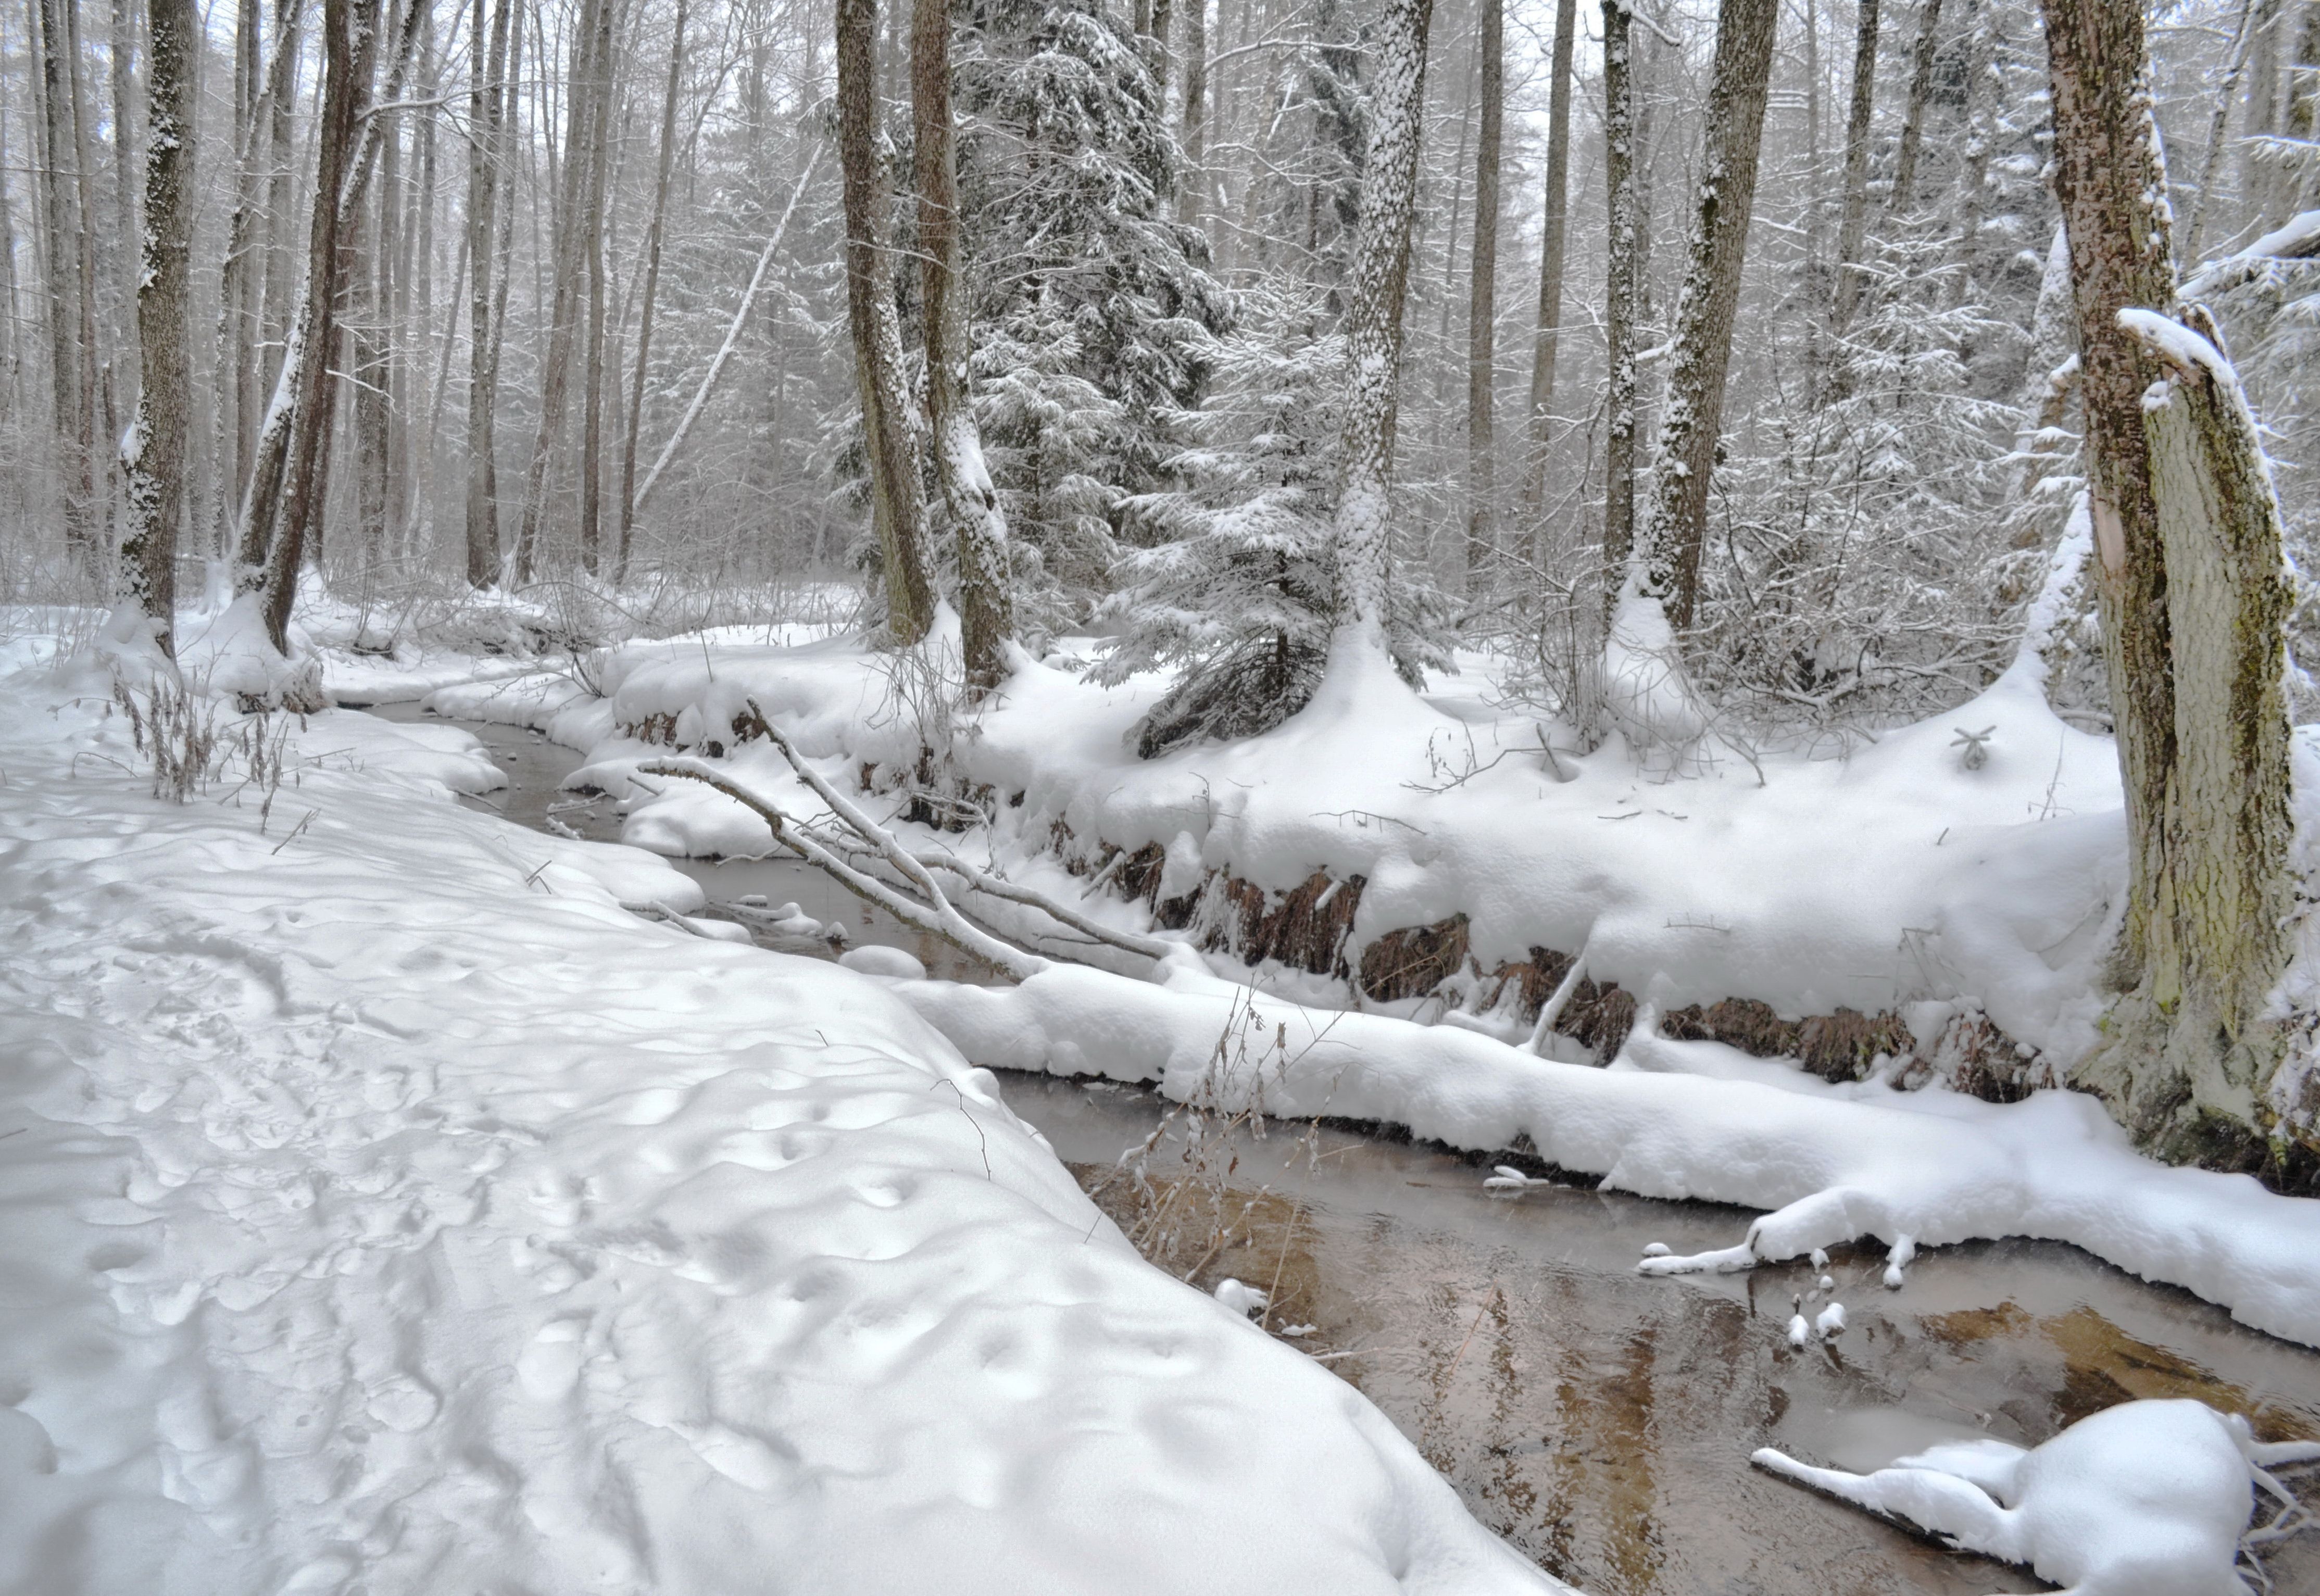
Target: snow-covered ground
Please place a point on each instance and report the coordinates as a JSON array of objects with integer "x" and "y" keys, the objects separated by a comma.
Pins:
[
  {"x": 1945, "y": 877},
  {"x": 386, "y": 1208}
]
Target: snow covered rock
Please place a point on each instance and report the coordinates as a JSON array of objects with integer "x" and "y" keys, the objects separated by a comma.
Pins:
[
  {"x": 2144, "y": 1499},
  {"x": 873, "y": 959}
]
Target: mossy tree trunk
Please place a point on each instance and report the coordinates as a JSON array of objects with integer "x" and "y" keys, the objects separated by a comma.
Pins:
[{"x": 2195, "y": 596}]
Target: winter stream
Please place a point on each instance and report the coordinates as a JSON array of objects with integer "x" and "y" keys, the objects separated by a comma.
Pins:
[{"x": 1600, "y": 1420}]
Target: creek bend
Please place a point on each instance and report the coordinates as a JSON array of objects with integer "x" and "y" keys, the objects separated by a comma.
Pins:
[{"x": 1599, "y": 1420}]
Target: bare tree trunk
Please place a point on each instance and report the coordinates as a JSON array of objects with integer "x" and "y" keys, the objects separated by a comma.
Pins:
[
  {"x": 1619, "y": 297},
  {"x": 487, "y": 96},
  {"x": 154, "y": 456},
  {"x": 281, "y": 253},
  {"x": 2211, "y": 163},
  {"x": 1482, "y": 314},
  {"x": 2266, "y": 30},
  {"x": 236, "y": 406},
  {"x": 1913, "y": 115},
  {"x": 65, "y": 258},
  {"x": 1192, "y": 196},
  {"x": 1853, "y": 229},
  {"x": 1556, "y": 212},
  {"x": 650, "y": 292},
  {"x": 1373, "y": 324},
  {"x": 2195, "y": 595},
  {"x": 890, "y": 447},
  {"x": 1667, "y": 555},
  {"x": 584, "y": 99},
  {"x": 370, "y": 267},
  {"x": 593, "y": 245},
  {"x": 986, "y": 603}
]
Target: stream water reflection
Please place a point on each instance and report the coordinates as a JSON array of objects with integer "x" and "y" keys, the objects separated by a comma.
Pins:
[{"x": 1602, "y": 1421}]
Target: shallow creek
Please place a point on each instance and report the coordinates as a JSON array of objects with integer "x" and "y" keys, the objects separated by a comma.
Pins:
[{"x": 1601, "y": 1421}]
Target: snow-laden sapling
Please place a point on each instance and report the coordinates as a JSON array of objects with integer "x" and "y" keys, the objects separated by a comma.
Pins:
[{"x": 2144, "y": 1499}]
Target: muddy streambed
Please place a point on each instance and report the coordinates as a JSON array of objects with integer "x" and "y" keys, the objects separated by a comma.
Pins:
[{"x": 1601, "y": 1421}]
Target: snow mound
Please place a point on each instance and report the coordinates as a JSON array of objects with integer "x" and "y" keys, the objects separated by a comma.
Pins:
[
  {"x": 2144, "y": 1499},
  {"x": 388, "y": 1209}
]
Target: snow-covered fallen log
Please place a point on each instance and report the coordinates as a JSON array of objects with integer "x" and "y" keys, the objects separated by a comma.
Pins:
[
  {"x": 2144, "y": 1499},
  {"x": 1829, "y": 1164}
]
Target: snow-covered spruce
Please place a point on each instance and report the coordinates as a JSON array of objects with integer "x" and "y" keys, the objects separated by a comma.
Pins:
[{"x": 387, "y": 1206}]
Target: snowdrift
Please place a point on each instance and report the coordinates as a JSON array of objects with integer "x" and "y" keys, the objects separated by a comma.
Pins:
[{"x": 386, "y": 1208}]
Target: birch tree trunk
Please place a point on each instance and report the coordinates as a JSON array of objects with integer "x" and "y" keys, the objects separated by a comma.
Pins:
[
  {"x": 1619, "y": 298},
  {"x": 1380, "y": 279},
  {"x": 1481, "y": 305},
  {"x": 1555, "y": 213},
  {"x": 2194, "y": 593},
  {"x": 154, "y": 456},
  {"x": 986, "y": 606},
  {"x": 1666, "y": 565},
  {"x": 1852, "y": 228}
]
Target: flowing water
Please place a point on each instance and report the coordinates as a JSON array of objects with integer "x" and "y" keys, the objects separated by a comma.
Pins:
[{"x": 1602, "y": 1421}]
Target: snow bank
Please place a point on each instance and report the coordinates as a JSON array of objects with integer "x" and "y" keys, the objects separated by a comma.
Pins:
[
  {"x": 1695, "y": 1120},
  {"x": 1899, "y": 874},
  {"x": 2144, "y": 1499},
  {"x": 387, "y": 1208}
]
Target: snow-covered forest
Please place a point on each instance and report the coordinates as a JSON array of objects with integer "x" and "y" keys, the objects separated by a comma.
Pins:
[{"x": 1120, "y": 795}]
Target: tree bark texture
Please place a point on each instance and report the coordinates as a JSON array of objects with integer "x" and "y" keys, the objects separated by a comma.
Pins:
[
  {"x": 650, "y": 292},
  {"x": 486, "y": 151},
  {"x": 65, "y": 263},
  {"x": 154, "y": 458},
  {"x": 1619, "y": 297},
  {"x": 1913, "y": 112},
  {"x": 889, "y": 443},
  {"x": 1691, "y": 421},
  {"x": 1853, "y": 227},
  {"x": 2194, "y": 595},
  {"x": 986, "y": 607},
  {"x": 1380, "y": 274},
  {"x": 1482, "y": 305},
  {"x": 1555, "y": 211}
]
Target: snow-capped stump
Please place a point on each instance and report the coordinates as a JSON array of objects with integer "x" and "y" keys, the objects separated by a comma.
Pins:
[
  {"x": 1242, "y": 1298},
  {"x": 1508, "y": 1179},
  {"x": 1905, "y": 1248},
  {"x": 1799, "y": 1328},
  {"x": 1657, "y": 1249},
  {"x": 1831, "y": 1322},
  {"x": 2144, "y": 1499}
]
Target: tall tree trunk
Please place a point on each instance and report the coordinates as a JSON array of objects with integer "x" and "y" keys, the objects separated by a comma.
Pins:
[
  {"x": 651, "y": 289},
  {"x": 487, "y": 94},
  {"x": 1852, "y": 232},
  {"x": 1667, "y": 554},
  {"x": 582, "y": 101},
  {"x": 1619, "y": 297},
  {"x": 1913, "y": 114},
  {"x": 890, "y": 447},
  {"x": 235, "y": 409},
  {"x": 2266, "y": 28},
  {"x": 2211, "y": 162},
  {"x": 593, "y": 245},
  {"x": 370, "y": 269},
  {"x": 281, "y": 186},
  {"x": 2195, "y": 595},
  {"x": 154, "y": 457},
  {"x": 986, "y": 603},
  {"x": 64, "y": 255},
  {"x": 1555, "y": 211},
  {"x": 1482, "y": 312},
  {"x": 1373, "y": 321},
  {"x": 1192, "y": 203}
]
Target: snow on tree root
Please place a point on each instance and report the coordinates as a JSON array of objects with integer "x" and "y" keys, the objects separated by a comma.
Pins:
[
  {"x": 1829, "y": 1164},
  {"x": 2144, "y": 1499}
]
